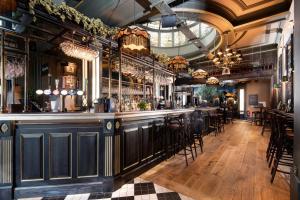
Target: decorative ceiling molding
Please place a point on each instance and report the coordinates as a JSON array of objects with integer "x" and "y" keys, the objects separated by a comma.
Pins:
[
  {"x": 244, "y": 5},
  {"x": 262, "y": 22},
  {"x": 238, "y": 39},
  {"x": 215, "y": 20},
  {"x": 238, "y": 12}
]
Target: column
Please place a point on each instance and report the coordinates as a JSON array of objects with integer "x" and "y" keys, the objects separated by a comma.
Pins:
[{"x": 295, "y": 182}]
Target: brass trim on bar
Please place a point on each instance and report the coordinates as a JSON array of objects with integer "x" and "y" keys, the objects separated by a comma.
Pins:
[
  {"x": 108, "y": 156},
  {"x": 131, "y": 129},
  {"x": 5, "y": 161},
  {"x": 131, "y": 165},
  {"x": 147, "y": 126},
  {"x": 117, "y": 154},
  {"x": 147, "y": 157},
  {"x": 2, "y": 73}
]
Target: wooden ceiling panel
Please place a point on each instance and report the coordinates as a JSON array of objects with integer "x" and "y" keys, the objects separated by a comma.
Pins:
[
  {"x": 249, "y": 3},
  {"x": 253, "y": 37},
  {"x": 244, "y": 7}
]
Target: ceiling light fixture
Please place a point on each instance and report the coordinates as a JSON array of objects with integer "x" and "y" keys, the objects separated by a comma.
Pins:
[
  {"x": 76, "y": 51},
  {"x": 199, "y": 74},
  {"x": 212, "y": 81},
  {"x": 178, "y": 64},
  {"x": 227, "y": 58},
  {"x": 134, "y": 39}
]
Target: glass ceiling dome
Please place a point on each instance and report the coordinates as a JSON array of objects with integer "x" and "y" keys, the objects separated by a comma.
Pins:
[
  {"x": 172, "y": 37},
  {"x": 171, "y": 40}
]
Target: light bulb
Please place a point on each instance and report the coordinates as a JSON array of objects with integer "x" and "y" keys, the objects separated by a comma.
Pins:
[
  {"x": 64, "y": 92},
  {"x": 39, "y": 92}
]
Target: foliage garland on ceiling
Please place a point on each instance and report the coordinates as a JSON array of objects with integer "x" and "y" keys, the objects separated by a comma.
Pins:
[{"x": 63, "y": 11}]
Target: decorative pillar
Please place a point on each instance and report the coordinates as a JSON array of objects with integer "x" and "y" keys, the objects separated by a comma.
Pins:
[
  {"x": 154, "y": 86},
  {"x": 2, "y": 72},
  {"x": 109, "y": 70},
  {"x": 144, "y": 84},
  {"x": 6, "y": 155},
  {"x": 295, "y": 176},
  {"x": 120, "y": 82},
  {"x": 85, "y": 83},
  {"x": 100, "y": 72},
  {"x": 25, "y": 109}
]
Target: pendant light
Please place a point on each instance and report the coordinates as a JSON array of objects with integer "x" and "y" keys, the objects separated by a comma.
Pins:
[
  {"x": 226, "y": 58},
  {"x": 134, "y": 39},
  {"x": 178, "y": 63},
  {"x": 199, "y": 74},
  {"x": 212, "y": 81},
  {"x": 77, "y": 51}
]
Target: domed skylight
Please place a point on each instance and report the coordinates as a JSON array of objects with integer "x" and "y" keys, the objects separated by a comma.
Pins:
[{"x": 172, "y": 37}]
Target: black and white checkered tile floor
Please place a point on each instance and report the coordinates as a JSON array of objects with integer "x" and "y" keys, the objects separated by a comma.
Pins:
[{"x": 138, "y": 189}]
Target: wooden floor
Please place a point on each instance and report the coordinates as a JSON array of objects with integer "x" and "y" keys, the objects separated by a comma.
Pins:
[{"x": 232, "y": 167}]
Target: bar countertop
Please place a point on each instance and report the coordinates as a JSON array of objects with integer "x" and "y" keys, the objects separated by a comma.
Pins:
[{"x": 84, "y": 116}]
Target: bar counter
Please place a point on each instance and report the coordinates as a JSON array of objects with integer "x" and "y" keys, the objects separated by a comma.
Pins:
[{"x": 53, "y": 154}]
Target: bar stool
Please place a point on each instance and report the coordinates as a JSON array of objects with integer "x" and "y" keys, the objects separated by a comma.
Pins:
[
  {"x": 213, "y": 123},
  {"x": 206, "y": 121},
  {"x": 273, "y": 138},
  {"x": 248, "y": 116},
  {"x": 266, "y": 122},
  {"x": 172, "y": 129},
  {"x": 229, "y": 116},
  {"x": 256, "y": 117},
  {"x": 284, "y": 146},
  {"x": 159, "y": 136},
  {"x": 196, "y": 130},
  {"x": 185, "y": 139},
  {"x": 178, "y": 137},
  {"x": 221, "y": 122}
]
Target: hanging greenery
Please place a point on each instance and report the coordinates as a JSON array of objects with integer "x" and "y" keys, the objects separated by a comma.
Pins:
[
  {"x": 190, "y": 71},
  {"x": 63, "y": 11}
]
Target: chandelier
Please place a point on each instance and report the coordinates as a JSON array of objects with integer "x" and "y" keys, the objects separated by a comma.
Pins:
[
  {"x": 7, "y": 6},
  {"x": 212, "y": 81},
  {"x": 199, "y": 74},
  {"x": 227, "y": 58},
  {"x": 178, "y": 64},
  {"x": 134, "y": 39},
  {"x": 76, "y": 51}
]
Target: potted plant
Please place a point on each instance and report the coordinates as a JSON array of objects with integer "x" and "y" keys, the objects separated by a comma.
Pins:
[{"x": 142, "y": 105}]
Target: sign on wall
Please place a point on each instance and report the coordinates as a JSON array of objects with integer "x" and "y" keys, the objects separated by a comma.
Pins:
[{"x": 253, "y": 99}]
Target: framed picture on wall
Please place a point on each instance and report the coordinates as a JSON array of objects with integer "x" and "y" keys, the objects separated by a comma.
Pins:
[{"x": 253, "y": 100}]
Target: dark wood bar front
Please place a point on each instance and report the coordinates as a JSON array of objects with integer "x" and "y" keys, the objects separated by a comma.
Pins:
[{"x": 60, "y": 154}]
